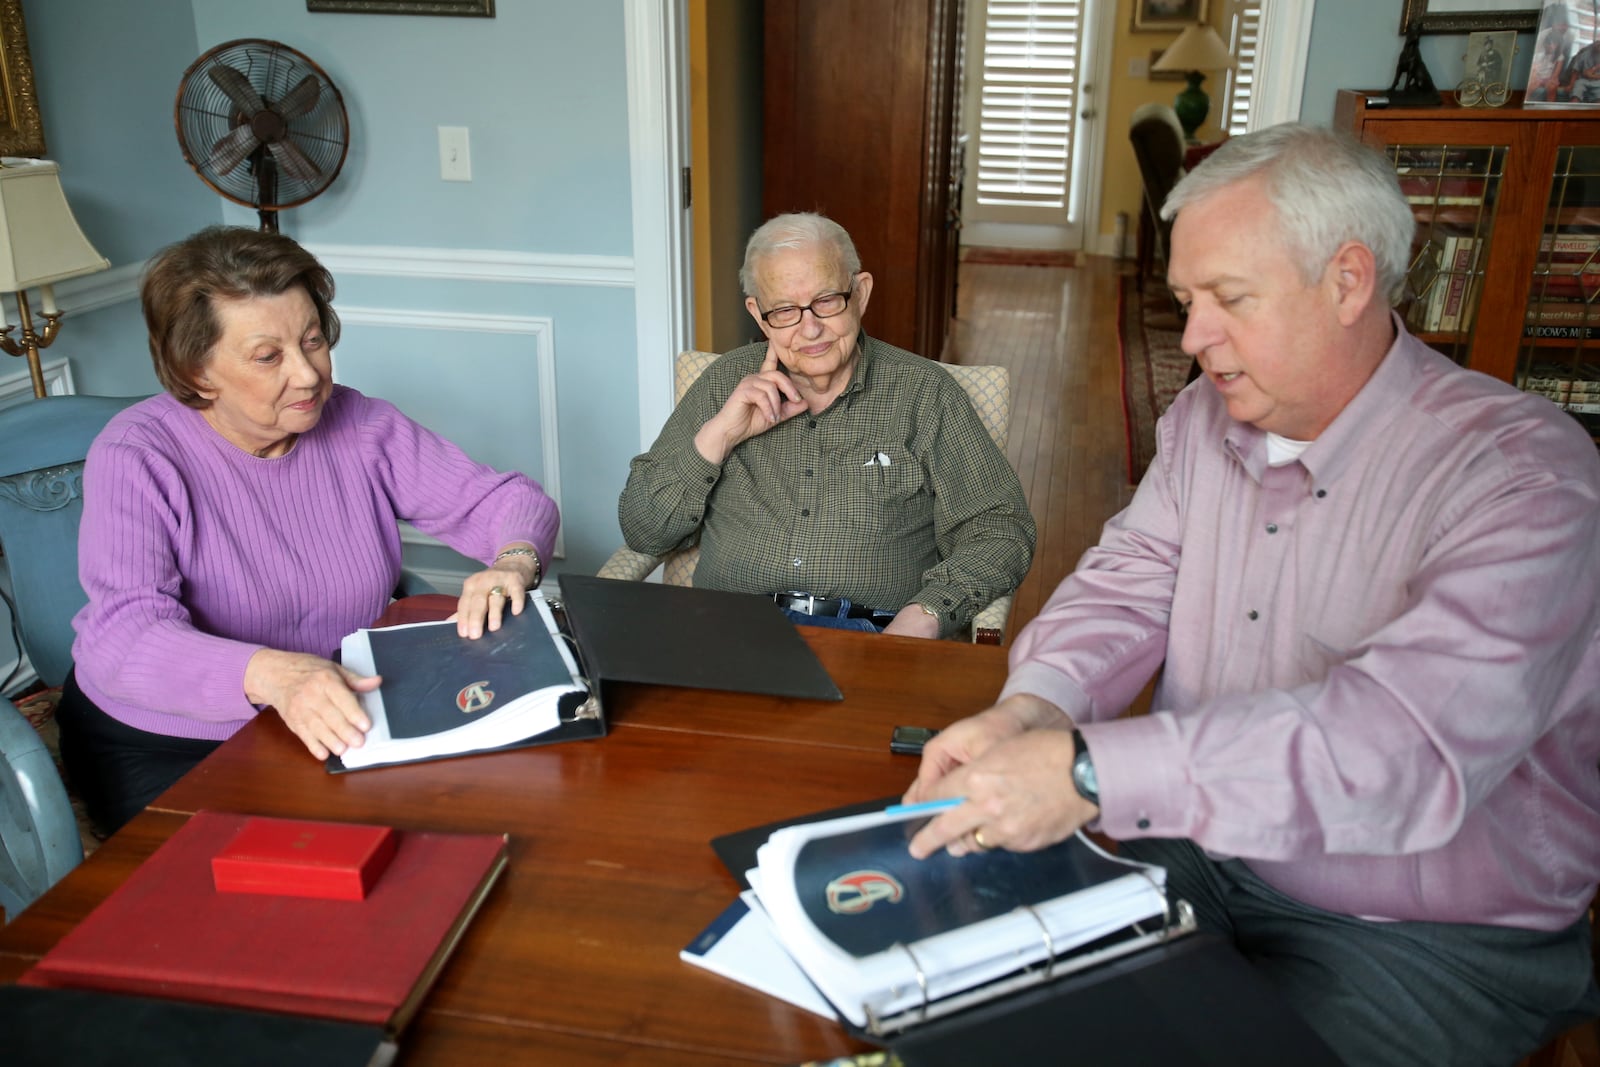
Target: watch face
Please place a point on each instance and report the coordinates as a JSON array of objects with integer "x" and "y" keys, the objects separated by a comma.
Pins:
[{"x": 1083, "y": 777}]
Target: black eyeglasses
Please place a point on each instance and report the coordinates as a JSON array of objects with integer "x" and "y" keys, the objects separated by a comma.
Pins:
[{"x": 825, "y": 306}]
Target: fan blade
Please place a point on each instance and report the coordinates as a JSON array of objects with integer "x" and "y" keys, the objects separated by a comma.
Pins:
[
  {"x": 237, "y": 87},
  {"x": 301, "y": 99},
  {"x": 231, "y": 150},
  {"x": 295, "y": 163}
]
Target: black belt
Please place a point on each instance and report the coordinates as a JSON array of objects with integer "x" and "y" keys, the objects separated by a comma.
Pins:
[{"x": 807, "y": 604}]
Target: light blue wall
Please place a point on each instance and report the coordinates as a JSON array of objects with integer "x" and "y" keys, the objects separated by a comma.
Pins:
[
  {"x": 542, "y": 88},
  {"x": 1355, "y": 44}
]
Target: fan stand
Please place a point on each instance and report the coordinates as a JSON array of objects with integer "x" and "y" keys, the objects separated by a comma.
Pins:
[{"x": 266, "y": 171}]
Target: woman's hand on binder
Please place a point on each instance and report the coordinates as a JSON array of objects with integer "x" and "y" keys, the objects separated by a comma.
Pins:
[
  {"x": 316, "y": 698},
  {"x": 486, "y": 595}
]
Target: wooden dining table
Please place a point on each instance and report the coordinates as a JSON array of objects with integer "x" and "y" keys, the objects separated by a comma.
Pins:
[{"x": 573, "y": 958}]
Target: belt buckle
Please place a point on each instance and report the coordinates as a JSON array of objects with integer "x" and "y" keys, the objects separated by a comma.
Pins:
[{"x": 804, "y": 603}]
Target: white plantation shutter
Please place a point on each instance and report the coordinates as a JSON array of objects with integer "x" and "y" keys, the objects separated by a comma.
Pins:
[
  {"x": 1244, "y": 41},
  {"x": 1029, "y": 94}
]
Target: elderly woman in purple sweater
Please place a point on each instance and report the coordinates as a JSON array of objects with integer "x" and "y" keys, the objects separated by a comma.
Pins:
[{"x": 236, "y": 527}]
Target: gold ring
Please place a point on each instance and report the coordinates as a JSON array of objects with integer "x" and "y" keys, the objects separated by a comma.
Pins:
[
  {"x": 977, "y": 839},
  {"x": 498, "y": 590}
]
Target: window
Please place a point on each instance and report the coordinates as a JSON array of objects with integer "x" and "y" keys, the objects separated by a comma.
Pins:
[
  {"x": 1031, "y": 57},
  {"x": 1244, "y": 41}
]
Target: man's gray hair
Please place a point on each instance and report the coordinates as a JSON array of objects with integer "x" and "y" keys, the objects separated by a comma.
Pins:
[
  {"x": 801, "y": 229},
  {"x": 1326, "y": 187}
]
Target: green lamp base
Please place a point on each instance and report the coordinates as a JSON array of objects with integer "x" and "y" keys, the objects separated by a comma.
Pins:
[{"x": 1192, "y": 105}]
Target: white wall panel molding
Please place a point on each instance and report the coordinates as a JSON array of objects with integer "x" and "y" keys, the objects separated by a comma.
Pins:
[
  {"x": 476, "y": 264},
  {"x": 539, "y": 330},
  {"x": 17, "y": 387}
]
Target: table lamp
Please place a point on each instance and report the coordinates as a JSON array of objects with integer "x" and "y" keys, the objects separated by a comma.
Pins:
[
  {"x": 1197, "y": 50},
  {"x": 40, "y": 244}
]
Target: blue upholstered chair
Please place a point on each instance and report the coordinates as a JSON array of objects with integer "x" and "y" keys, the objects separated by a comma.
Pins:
[{"x": 42, "y": 447}]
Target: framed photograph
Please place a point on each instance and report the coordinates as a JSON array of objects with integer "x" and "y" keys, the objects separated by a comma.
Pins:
[
  {"x": 475, "y": 8},
  {"x": 1566, "y": 56},
  {"x": 21, "y": 131},
  {"x": 1489, "y": 56},
  {"x": 1167, "y": 16},
  {"x": 1464, "y": 16}
]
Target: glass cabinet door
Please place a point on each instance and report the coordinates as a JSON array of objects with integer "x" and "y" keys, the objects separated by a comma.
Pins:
[
  {"x": 1560, "y": 352},
  {"x": 1454, "y": 191}
]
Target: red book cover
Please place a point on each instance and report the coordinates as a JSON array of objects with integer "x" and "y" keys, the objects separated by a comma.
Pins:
[
  {"x": 304, "y": 858},
  {"x": 168, "y": 932}
]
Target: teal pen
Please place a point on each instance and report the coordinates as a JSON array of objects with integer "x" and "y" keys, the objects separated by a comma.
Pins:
[{"x": 926, "y": 805}]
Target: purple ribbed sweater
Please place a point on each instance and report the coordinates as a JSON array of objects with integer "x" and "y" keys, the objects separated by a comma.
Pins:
[{"x": 195, "y": 554}]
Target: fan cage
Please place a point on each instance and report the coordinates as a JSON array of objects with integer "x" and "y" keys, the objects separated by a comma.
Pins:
[{"x": 205, "y": 115}]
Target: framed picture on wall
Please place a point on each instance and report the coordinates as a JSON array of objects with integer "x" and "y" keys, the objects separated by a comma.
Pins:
[
  {"x": 1462, "y": 16},
  {"x": 1167, "y": 16},
  {"x": 21, "y": 131},
  {"x": 478, "y": 8}
]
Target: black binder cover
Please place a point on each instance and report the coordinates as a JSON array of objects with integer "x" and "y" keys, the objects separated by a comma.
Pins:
[
  {"x": 737, "y": 850},
  {"x": 696, "y": 638},
  {"x": 48, "y": 1027}
]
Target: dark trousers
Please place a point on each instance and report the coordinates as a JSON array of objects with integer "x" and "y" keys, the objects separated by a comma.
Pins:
[
  {"x": 118, "y": 769},
  {"x": 1398, "y": 993}
]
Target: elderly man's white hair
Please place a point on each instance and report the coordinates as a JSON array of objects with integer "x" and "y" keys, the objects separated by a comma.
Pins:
[{"x": 800, "y": 229}]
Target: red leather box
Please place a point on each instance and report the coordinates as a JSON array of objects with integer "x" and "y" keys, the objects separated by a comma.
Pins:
[{"x": 304, "y": 858}]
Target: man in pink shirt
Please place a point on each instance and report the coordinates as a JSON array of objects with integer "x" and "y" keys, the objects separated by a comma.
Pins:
[{"x": 1370, "y": 580}]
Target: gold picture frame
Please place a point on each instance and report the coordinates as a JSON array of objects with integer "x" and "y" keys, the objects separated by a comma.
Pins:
[
  {"x": 475, "y": 8},
  {"x": 21, "y": 129},
  {"x": 1167, "y": 16},
  {"x": 1464, "y": 16}
]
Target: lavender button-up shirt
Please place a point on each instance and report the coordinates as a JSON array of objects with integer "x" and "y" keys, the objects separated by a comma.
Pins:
[{"x": 1382, "y": 660}]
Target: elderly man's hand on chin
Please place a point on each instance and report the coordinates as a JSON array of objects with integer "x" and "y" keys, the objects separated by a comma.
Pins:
[{"x": 758, "y": 403}]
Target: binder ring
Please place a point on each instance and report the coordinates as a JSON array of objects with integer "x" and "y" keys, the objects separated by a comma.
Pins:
[
  {"x": 1049, "y": 942},
  {"x": 922, "y": 980}
]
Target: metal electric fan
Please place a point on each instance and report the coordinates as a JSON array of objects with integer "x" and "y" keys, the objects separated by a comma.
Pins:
[{"x": 262, "y": 125}]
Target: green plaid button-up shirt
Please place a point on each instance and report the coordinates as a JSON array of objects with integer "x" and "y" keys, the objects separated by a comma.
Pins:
[{"x": 895, "y": 494}]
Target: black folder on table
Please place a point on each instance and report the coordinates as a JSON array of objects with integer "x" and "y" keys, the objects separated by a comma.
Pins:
[
  {"x": 697, "y": 638},
  {"x": 1188, "y": 999}
]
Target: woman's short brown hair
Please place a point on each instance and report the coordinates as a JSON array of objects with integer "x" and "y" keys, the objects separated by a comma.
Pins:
[{"x": 185, "y": 280}]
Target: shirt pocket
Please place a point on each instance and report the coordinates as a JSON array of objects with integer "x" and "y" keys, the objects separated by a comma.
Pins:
[{"x": 885, "y": 493}]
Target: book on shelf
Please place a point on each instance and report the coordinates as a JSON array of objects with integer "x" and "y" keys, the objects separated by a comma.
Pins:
[
  {"x": 890, "y": 941},
  {"x": 168, "y": 931},
  {"x": 1570, "y": 332},
  {"x": 537, "y": 680},
  {"x": 1442, "y": 189},
  {"x": 1456, "y": 312},
  {"x": 1570, "y": 242},
  {"x": 1553, "y": 311}
]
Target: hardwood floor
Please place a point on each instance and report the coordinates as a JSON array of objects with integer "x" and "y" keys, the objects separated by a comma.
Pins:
[{"x": 1055, "y": 328}]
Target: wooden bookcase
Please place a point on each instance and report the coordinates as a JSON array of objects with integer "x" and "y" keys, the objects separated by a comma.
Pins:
[{"x": 1508, "y": 230}]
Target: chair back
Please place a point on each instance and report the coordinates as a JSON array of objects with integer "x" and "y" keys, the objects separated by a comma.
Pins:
[
  {"x": 39, "y": 839},
  {"x": 42, "y": 447},
  {"x": 1158, "y": 145}
]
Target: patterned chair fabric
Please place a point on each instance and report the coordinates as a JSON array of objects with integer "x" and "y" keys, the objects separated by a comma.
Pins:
[{"x": 990, "y": 391}]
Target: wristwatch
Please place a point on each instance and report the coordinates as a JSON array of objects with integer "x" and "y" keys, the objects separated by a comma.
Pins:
[{"x": 1083, "y": 777}]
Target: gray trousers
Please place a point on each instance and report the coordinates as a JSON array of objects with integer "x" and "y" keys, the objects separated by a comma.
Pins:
[{"x": 1401, "y": 993}]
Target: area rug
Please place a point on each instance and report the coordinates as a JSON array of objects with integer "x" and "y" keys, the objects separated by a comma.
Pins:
[
  {"x": 1154, "y": 368},
  {"x": 1018, "y": 257}
]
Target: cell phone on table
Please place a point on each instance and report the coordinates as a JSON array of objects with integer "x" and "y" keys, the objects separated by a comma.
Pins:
[{"x": 908, "y": 740}]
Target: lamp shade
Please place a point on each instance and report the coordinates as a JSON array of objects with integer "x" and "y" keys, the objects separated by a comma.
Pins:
[
  {"x": 40, "y": 241},
  {"x": 1197, "y": 48}
]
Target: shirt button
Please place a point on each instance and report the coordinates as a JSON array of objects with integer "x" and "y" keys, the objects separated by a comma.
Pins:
[
  {"x": 1252, "y": 614},
  {"x": 694, "y": 518},
  {"x": 710, "y": 478},
  {"x": 812, "y": 424},
  {"x": 805, "y": 511},
  {"x": 1321, "y": 493},
  {"x": 1143, "y": 824},
  {"x": 1272, "y": 527},
  {"x": 809, "y": 472},
  {"x": 798, "y": 561}
]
